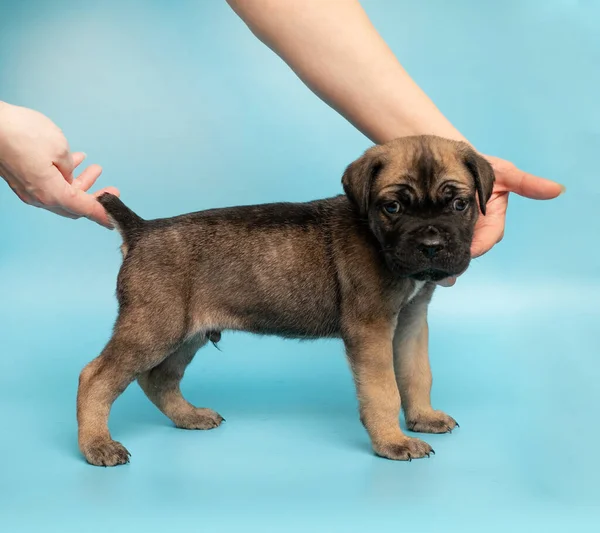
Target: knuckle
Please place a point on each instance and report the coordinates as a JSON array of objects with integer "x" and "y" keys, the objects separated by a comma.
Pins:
[
  {"x": 71, "y": 193},
  {"x": 61, "y": 148}
]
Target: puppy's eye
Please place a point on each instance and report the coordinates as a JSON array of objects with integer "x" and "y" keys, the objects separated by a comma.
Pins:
[
  {"x": 460, "y": 204},
  {"x": 392, "y": 208}
]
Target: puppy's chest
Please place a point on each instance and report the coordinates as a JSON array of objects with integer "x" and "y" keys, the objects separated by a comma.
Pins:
[
  {"x": 418, "y": 286},
  {"x": 406, "y": 293}
]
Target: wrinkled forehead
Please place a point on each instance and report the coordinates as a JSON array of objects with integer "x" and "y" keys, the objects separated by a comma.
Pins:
[{"x": 424, "y": 167}]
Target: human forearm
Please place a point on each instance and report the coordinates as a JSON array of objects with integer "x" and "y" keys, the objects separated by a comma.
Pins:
[{"x": 333, "y": 47}]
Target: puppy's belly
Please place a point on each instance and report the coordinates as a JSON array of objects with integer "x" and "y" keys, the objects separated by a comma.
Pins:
[
  {"x": 265, "y": 322},
  {"x": 293, "y": 309},
  {"x": 267, "y": 319}
]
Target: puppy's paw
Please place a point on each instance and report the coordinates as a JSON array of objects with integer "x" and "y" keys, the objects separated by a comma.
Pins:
[
  {"x": 405, "y": 449},
  {"x": 199, "y": 418},
  {"x": 105, "y": 453},
  {"x": 431, "y": 422}
]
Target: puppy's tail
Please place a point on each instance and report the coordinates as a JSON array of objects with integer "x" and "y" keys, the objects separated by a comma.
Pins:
[{"x": 125, "y": 220}]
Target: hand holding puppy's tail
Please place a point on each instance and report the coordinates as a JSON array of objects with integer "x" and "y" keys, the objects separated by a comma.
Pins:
[{"x": 124, "y": 219}]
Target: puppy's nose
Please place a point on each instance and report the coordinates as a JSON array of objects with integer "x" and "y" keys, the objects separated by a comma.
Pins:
[
  {"x": 430, "y": 248},
  {"x": 430, "y": 244}
]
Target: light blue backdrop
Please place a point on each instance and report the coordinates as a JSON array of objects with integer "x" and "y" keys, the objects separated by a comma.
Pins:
[{"x": 186, "y": 110}]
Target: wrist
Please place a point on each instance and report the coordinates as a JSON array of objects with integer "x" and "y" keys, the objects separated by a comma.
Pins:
[{"x": 418, "y": 121}]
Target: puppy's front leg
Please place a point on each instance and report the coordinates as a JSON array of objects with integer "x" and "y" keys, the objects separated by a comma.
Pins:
[
  {"x": 413, "y": 373},
  {"x": 370, "y": 352}
]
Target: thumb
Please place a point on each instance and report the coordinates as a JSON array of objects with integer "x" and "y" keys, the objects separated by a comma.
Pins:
[
  {"x": 65, "y": 165},
  {"x": 534, "y": 187},
  {"x": 512, "y": 179},
  {"x": 82, "y": 204}
]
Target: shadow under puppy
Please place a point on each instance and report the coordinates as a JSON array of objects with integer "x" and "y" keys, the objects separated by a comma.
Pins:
[{"x": 360, "y": 266}]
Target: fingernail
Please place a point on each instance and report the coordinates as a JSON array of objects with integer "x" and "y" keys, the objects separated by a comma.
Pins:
[{"x": 563, "y": 189}]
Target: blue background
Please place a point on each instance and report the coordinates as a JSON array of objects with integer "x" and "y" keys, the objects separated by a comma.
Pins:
[{"x": 186, "y": 110}]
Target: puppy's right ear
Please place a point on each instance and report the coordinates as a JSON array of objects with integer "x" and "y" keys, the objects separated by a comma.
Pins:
[
  {"x": 359, "y": 177},
  {"x": 482, "y": 173}
]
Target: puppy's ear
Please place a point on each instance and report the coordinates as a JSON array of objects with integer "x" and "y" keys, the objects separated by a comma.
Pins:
[
  {"x": 482, "y": 172},
  {"x": 359, "y": 177}
]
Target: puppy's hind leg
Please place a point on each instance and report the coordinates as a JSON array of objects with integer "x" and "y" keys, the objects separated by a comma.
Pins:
[
  {"x": 162, "y": 386},
  {"x": 136, "y": 346}
]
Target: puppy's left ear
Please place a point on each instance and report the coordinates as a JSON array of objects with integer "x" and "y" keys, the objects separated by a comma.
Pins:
[
  {"x": 359, "y": 177},
  {"x": 482, "y": 172}
]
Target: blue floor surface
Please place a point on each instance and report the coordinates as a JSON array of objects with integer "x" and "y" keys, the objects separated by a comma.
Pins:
[{"x": 186, "y": 110}]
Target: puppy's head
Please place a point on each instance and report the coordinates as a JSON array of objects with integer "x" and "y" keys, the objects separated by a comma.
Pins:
[{"x": 421, "y": 197}]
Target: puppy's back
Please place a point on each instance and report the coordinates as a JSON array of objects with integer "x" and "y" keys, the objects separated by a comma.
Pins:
[{"x": 265, "y": 268}]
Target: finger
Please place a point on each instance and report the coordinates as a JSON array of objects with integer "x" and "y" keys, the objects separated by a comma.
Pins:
[
  {"x": 112, "y": 190},
  {"x": 530, "y": 186},
  {"x": 52, "y": 207},
  {"x": 64, "y": 164},
  {"x": 78, "y": 158},
  {"x": 60, "y": 211},
  {"x": 80, "y": 203},
  {"x": 56, "y": 209},
  {"x": 88, "y": 177}
]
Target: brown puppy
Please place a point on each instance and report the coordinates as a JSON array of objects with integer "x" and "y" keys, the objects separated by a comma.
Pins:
[{"x": 359, "y": 266}]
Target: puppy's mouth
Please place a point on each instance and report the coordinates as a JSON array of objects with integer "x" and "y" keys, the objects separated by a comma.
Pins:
[
  {"x": 422, "y": 270},
  {"x": 431, "y": 274}
]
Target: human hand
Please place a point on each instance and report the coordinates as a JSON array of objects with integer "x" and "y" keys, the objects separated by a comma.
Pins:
[
  {"x": 38, "y": 166},
  {"x": 489, "y": 229}
]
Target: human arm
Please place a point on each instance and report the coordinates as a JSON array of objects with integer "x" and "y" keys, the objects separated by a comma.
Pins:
[{"x": 335, "y": 50}]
